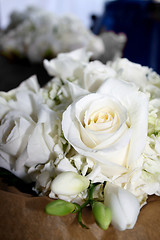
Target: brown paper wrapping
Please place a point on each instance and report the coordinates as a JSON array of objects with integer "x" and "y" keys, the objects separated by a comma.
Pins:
[{"x": 22, "y": 217}]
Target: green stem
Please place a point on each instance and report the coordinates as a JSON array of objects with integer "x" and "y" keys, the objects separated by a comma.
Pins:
[
  {"x": 90, "y": 194},
  {"x": 77, "y": 209},
  {"x": 85, "y": 204},
  {"x": 80, "y": 220},
  {"x": 88, "y": 201}
]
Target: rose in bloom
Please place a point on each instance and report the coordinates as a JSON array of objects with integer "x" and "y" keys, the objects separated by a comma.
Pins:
[
  {"x": 109, "y": 126},
  {"x": 25, "y": 128}
]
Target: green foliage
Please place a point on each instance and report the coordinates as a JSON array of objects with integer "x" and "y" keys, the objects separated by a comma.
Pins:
[{"x": 102, "y": 214}]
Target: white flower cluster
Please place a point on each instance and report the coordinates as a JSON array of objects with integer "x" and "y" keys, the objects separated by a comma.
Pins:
[
  {"x": 99, "y": 123},
  {"x": 38, "y": 34}
]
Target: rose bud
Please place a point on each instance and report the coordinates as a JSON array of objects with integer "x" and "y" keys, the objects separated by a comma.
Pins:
[
  {"x": 59, "y": 208},
  {"x": 124, "y": 206},
  {"x": 69, "y": 183},
  {"x": 102, "y": 215}
]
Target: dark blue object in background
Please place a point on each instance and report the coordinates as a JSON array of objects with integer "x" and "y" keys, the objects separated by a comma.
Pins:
[{"x": 140, "y": 21}]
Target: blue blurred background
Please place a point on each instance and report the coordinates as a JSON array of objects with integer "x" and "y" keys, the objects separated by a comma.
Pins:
[{"x": 140, "y": 21}]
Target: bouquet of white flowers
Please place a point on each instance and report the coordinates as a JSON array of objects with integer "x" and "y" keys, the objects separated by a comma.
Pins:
[
  {"x": 91, "y": 136},
  {"x": 36, "y": 34}
]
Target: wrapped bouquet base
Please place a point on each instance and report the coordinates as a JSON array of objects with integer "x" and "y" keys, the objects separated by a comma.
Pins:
[{"x": 23, "y": 217}]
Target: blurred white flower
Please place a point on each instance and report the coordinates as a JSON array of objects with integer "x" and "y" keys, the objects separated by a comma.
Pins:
[
  {"x": 75, "y": 67},
  {"x": 36, "y": 34},
  {"x": 95, "y": 73},
  {"x": 66, "y": 64},
  {"x": 145, "y": 78}
]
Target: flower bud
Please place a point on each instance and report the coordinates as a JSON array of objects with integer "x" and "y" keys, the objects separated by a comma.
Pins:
[
  {"x": 59, "y": 208},
  {"x": 124, "y": 206},
  {"x": 102, "y": 215},
  {"x": 69, "y": 183}
]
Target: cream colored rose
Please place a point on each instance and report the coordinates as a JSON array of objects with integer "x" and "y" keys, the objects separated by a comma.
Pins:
[{"x": 109, "y": 126}]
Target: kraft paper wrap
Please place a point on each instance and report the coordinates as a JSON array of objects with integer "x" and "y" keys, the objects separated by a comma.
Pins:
[{"x": 22, "y": 217}]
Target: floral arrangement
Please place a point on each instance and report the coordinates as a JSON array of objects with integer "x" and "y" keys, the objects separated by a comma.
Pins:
[
  {"x": 91, "y": 136},
  {"x": 36, "y": 34}
]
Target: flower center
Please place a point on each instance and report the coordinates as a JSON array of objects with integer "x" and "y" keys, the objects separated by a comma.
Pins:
[
  {"x": 100, "y": 117},
  {"x": 103, "y": 119},
  {"x": 104, "y": 116}
]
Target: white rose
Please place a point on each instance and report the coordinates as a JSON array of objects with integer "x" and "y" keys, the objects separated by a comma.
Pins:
[
  {"x": 145, "y": 78},
  {"x": 75, "y": 66},
  {"x": 65, "y": 65},
  {"x": 95, "y": 74},
  {"x": 109, "y": 126},
  {"x": 130, "y": 71},
  {"x": 25, "y": 128}
]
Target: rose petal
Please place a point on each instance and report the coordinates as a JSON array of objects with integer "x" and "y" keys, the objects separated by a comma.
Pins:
[{"x": 137, "y": 105}]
